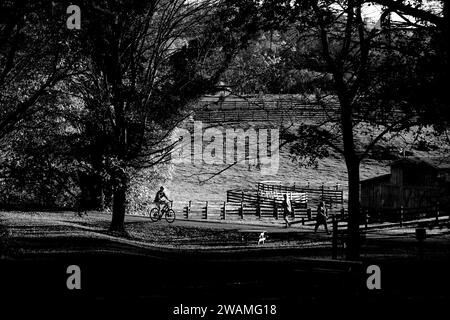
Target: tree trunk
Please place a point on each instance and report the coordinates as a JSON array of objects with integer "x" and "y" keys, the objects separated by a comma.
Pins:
[
  {"x": 118, "y": 212},
  {"x": 352, "y": 162},
  {"x": 447, "y": 34},
  {"x": 353, "y": 241},
  {"x": 91, "y": 187},
  {"x": 119, "y": 201},
  {"x": 120, "y": 181}
]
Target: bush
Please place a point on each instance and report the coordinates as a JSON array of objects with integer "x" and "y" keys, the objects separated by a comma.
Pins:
[{"x": 144, "y": 184}]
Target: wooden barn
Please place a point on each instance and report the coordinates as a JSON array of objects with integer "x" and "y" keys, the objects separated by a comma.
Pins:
[{"x": 413, "y": 183}]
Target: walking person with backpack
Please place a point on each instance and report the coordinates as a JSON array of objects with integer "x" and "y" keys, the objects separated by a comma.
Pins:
[
  {"x": 287, "y": 209},
  {"x": 321, "y": 217}
]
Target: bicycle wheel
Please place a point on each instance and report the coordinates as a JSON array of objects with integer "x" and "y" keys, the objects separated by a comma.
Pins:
[
  {"x": 170, "y": 216},
  {"x": 154, "y": 215}
]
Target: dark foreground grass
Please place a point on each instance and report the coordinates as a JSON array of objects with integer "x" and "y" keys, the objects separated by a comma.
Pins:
[
  {"x": 179, "y": 234},
  {"x": 383, "y": 244}
]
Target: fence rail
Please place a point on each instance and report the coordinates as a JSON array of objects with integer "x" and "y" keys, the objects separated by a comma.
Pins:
[
  {"x": 259, "y": 115},
  {"x": 251, "y": 110},
  {"x": 252, "y": 104}
]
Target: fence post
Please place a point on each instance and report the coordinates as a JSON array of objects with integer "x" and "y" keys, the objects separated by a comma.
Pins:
[
  {"x": 188, "y": 212},
  {"x": 437, "y": 211},
  {"x": 342, "y": 213},
  {"x": 308, "y": 213},
  {"x": 275, "y": 209},
  {"x": 206, "y": 211},
  {"x": 258, "y": 208},
  {"x": 224, "y": 210},
  {"x": 401, "y": 216},
  {"x": 334, "y": 241},
  {"x": 241, "y": 210},
  {"x": 366, "y": 217},
  {"x": 242, "y": 196},
  {"x": 322, "y": 190}
]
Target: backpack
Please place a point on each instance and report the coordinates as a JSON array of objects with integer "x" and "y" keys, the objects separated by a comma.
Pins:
[
  {"x": 321, "y": 213},
  {"x": 158, "y": 196}
]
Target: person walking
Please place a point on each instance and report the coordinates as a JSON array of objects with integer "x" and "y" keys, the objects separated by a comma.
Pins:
[
  {"x": 287, "y": 209},
  {"x": 321, "y": 217}
]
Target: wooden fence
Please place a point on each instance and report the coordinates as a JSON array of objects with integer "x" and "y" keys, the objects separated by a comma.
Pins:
[
  {"x": 251, "y": 196},
  {"x": 283, "y": 110},
  {"x": 258, "y": 115},
  {"x": 331, "y": 195},
  {"x": 221, "y": 210},
  {"x": 252, "y": 104}
]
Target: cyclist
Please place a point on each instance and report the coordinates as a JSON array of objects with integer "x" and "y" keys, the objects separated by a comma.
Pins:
[{"x": 161, "y": 198}]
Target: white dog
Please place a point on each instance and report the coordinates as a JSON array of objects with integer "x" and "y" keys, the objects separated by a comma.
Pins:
[{"x": 262, "y": 238}]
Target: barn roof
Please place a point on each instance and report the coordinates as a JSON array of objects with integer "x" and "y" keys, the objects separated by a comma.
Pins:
[{"x": 384, "y": 177}]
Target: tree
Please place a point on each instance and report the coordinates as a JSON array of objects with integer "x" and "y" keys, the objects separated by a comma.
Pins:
[
  {"x": 419, "y": 11},
  {"x": 38, "y": 165},
  {"x": 35, "y": 62},
  {"x": 148, "y": 60},
  {"x": 371, "y": 86},
  {"x": 269, "y": 65},
  {"x": 434, "y": 16},
  {"x": 365, "y": 79},
  {"x": 34, "y": 59}
]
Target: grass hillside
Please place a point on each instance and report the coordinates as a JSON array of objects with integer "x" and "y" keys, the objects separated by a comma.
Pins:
[
  {"x": 207, "y": 182},
  {"x": 188, "y": 181}
]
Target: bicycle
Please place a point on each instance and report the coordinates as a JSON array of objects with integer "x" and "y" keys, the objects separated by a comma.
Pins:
[{"x": 156, "y": 213}]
